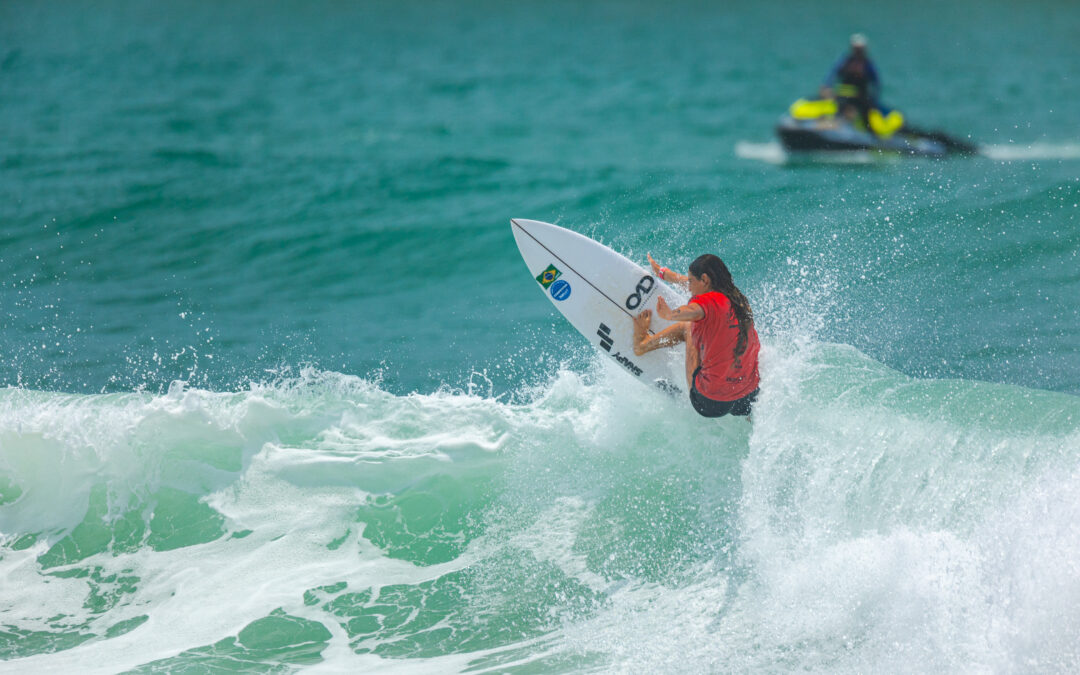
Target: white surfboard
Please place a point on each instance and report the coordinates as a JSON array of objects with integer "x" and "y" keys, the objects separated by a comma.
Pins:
[{"x": 599, "y": 292}]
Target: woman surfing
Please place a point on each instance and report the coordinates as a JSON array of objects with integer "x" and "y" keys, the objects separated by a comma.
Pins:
[{"x": 717, "y": 326}]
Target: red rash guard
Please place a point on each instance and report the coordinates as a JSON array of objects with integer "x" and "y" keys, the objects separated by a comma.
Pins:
[{"x": 723, "y": 377}]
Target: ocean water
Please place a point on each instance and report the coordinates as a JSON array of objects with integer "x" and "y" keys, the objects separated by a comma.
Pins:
[{"x": 278, "y": 394}]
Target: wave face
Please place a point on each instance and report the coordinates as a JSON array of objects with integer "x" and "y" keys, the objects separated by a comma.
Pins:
[{"x": 863, "y": 521}]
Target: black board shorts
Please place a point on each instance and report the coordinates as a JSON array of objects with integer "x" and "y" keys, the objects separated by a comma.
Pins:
[{"x": 707, "y": 407}]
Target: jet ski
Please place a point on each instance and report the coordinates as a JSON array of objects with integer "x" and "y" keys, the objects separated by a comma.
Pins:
[{"x": 814, "y": 126}]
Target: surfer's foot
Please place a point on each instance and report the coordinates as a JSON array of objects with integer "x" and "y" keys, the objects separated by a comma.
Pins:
[{"x": 641, "y": 331}]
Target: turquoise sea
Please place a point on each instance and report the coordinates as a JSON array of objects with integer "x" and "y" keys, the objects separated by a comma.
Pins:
[{"x": 278, "y": 394}]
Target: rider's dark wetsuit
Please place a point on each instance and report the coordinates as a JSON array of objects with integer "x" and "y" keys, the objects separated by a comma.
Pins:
[{"x": 854, "y": 80}]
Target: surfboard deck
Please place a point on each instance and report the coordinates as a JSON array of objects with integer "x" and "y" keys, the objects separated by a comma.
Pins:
[{"x": 599, "y": 292}]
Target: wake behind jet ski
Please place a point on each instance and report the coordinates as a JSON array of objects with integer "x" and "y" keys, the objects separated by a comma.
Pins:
[{"x": 848, "y": 115}]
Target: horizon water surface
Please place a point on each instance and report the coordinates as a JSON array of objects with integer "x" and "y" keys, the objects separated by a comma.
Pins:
[{"x": 278, "y": 394}]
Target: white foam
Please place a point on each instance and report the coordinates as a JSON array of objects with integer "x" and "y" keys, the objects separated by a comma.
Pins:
[
  {"x": 196, "y": 595},
  {"x": 881, "y": 525},
  {"x": 771, "y": 153},
  {"x": 774, "y": 153}
]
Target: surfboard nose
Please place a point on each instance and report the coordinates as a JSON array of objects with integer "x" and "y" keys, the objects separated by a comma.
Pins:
[{"x": 521, "y": 225}]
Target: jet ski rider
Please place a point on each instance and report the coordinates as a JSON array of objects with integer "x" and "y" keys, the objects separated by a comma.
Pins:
[{"x": 854, "y": 82}]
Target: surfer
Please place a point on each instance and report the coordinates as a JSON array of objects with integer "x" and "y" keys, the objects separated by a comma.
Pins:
[{"x": 717, "y": 326}]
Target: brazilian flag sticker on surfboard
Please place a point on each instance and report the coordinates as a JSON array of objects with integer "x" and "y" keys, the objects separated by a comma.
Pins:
[{"x": 548, "y": 276}]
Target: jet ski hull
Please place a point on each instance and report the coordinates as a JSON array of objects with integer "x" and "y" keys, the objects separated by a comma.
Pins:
[{"x": 799, "y": 136}]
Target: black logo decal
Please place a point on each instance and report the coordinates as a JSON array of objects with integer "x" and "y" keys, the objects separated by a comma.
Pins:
[
  {"x": 605, "y": 337},
  {"x": 644, "y": 287},
  {"x": 627, "y": 363}
]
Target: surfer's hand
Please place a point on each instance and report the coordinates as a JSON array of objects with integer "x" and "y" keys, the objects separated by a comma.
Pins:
[
  {"x": 655, "y": 266},
  {"x": 662, "y": 309}
]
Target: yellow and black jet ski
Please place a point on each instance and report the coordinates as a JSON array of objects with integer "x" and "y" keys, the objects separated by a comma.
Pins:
[{"x": 816, "y": 126}]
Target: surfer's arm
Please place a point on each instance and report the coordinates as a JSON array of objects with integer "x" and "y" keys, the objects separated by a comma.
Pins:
[
  {"x": 673, "y": 277},
  {"x": 670, "y": 276},
  {"x": 689, "y": 312}
]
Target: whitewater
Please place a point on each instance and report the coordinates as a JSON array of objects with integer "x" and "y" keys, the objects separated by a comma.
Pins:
[{"x": 864, "y": 521}]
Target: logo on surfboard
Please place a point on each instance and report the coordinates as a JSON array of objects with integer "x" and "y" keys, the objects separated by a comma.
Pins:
[
  {"x": 627, "y": 363},
  {"x": 548, "y": 276},
  {"x": 560, "y": 290},
  {"x": 606, "y": 341},
  {"x": 644, "y": 287}
]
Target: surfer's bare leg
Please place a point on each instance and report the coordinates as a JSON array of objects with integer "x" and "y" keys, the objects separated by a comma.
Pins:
[{"x": 669, "y": 337}]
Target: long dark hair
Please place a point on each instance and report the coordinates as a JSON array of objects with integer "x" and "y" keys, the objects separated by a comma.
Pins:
[{"x": 720, "y": 280}]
